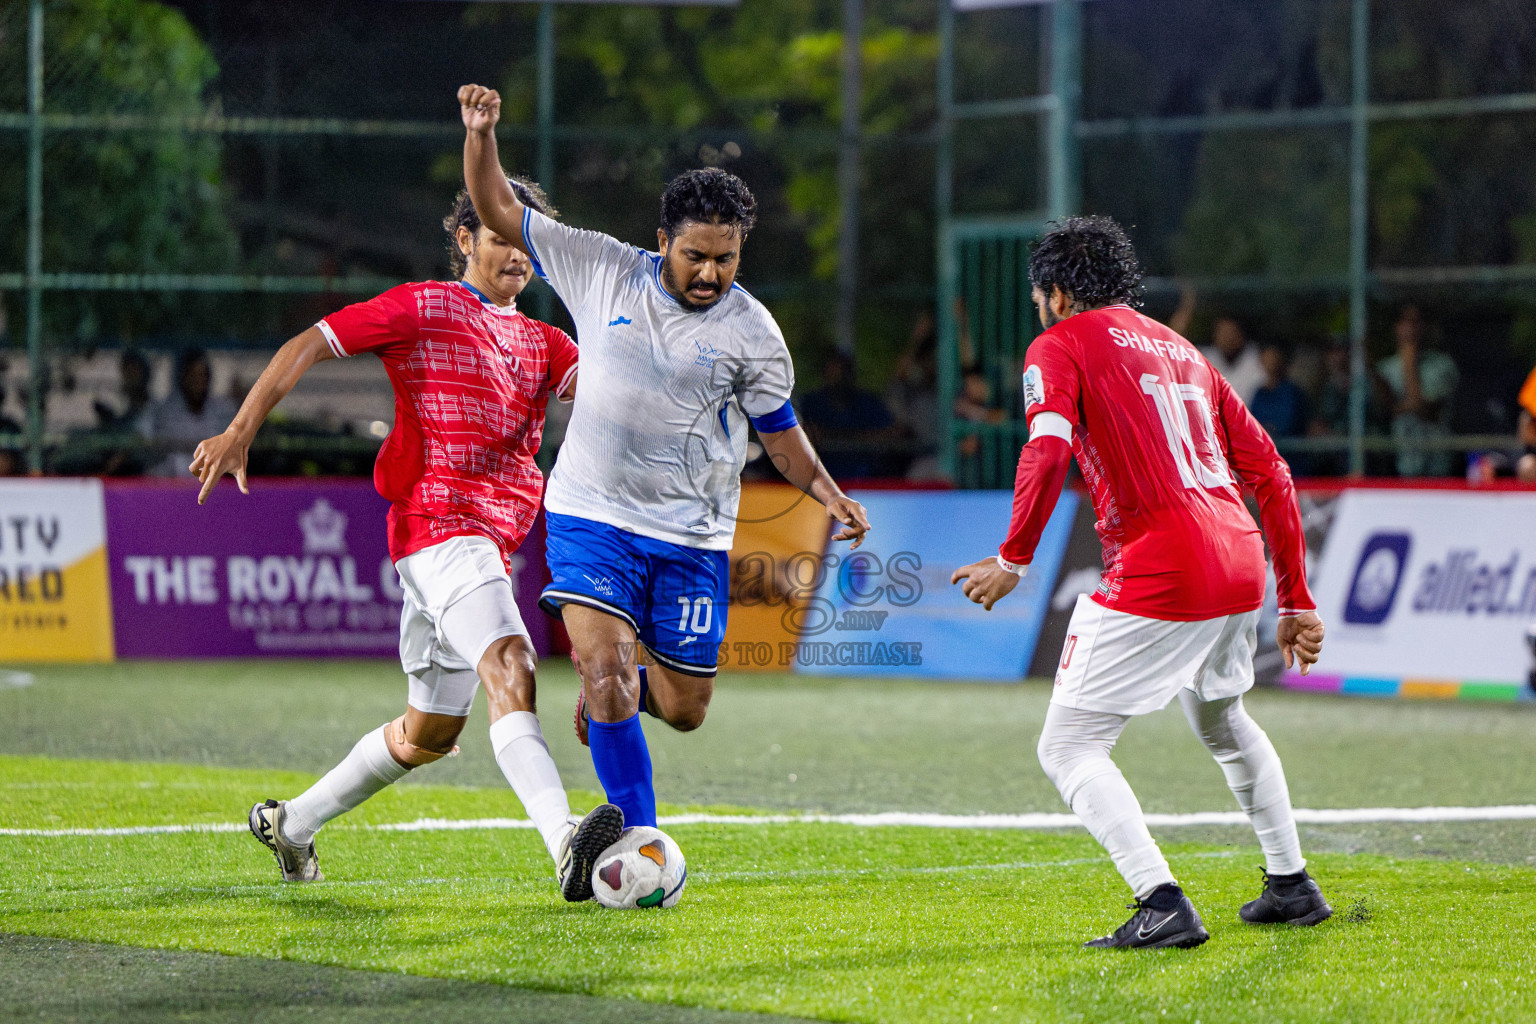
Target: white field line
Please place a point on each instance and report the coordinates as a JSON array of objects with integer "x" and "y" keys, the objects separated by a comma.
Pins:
[{"x": 888, "y": 819}]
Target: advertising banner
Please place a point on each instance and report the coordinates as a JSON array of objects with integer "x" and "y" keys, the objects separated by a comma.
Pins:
[
  {"x": 780, "y": 537},
  {"x": 294, "y": 569},
  {"x": 1427, "y": 594},
  {"x": 53, "y": 572},
  {"x": 889, "y": 608}
]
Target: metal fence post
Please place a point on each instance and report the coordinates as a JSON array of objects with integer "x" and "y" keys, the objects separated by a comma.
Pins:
[
  {"x": 543, "y": 304},
  {"x": 35, "y": 238},
  {"x": 943, "y": 201},
  {"x": 848, "y": 178},
  {"x": 1359, "y": 224},
  {"x": 1064, "y": 186}
]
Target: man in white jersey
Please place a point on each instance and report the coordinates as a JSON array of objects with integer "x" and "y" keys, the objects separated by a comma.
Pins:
[
  {"x": 677, "y": 359},
  {"x": 472, "y": 377}
]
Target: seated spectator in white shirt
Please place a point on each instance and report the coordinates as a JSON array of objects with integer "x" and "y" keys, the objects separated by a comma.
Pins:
[
  {"x": 177, "y": 424},
  {"x": 1235, "y": 358}
]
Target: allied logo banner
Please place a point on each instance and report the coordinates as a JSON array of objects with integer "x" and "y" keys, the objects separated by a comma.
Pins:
[
  {"x": 1426, "y": 589},
  {"x": 53, "y": 572}
]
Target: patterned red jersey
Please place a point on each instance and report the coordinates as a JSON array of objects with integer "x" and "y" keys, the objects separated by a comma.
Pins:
[
  {"x": 1164, "y": 445},
  {"x": 471, "y": 381}
]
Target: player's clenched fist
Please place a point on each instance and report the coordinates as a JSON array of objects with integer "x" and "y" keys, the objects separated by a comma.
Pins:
[{"x": 480, "y": 107}]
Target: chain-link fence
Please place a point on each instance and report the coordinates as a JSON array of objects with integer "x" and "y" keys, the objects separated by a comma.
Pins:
[{"x": 215, "y": 176}]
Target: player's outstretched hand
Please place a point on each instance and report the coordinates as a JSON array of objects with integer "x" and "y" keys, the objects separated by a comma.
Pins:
[
  {"x": 851, "y": 514},
  {"x": 480, "y": 107},
  {"x": 1301, "y": 640},
  {"x": 217, "y": 456},
  {"x": 986, "y": 582}
]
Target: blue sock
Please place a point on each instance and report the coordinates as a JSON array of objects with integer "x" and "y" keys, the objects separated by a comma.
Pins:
[
  {"x": 645, "y": 691},
  {"x": 623, "y": 764}
]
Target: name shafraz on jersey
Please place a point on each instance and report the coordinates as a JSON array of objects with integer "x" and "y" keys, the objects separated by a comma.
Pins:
[{"x": 658, "y": 435}]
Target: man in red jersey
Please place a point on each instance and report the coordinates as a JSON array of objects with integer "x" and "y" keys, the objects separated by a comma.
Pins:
[
  {"x": 1162, "y": 442},
  {"x": 472, "y": 376}
]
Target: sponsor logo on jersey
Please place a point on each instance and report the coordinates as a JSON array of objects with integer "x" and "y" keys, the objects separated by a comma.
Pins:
[
  {"x": 619, "y": 321},
  {"x": 1378, "y": 575},
  {"x": 706, "y": 354},
  {"x": 1034, "y": 386}
]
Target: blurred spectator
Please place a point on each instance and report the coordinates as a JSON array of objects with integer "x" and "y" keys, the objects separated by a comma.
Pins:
[
  {"x": 1231, "y": 354},
  {"x": 842, "y": 417},
  {"x": 1235, "y": 358},
  {"x": 1525, "y": 469},
  {"x": 913, "y": 397},
  {"x": 133, "y": 369},
  {"x": 1421, "y": 380},
  {"x": 179, "y": 423},
  {"x": 975, "y": 404},
  {"x": 1280, "y": 405}
]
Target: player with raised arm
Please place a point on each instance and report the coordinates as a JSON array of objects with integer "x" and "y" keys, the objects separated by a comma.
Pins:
[
  {"x": 1158, "y": 435},
  {"x": 676, "y": 360},
  {"x": 472, "y": 376}
]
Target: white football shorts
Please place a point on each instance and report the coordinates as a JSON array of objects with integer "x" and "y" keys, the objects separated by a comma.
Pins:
[
  {"x": 458, "y": 601},
  {"x": 1132, "y": 665}
]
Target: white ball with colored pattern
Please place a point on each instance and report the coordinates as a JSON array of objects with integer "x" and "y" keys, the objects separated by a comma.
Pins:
[{"x": 643, "y": 870}]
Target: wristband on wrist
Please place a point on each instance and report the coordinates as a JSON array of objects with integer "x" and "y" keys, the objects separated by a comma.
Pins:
[{"x": 1017, "y": 570}]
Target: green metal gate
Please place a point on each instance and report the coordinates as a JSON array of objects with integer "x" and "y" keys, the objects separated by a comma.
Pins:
[{"x": 986, "y": 324}]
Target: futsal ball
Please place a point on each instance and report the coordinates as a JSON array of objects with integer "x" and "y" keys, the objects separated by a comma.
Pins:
[{"x": 644, "y": 869}]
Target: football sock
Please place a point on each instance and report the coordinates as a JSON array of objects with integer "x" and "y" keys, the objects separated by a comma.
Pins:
[
  {"x": 1164, "y": 897},
  {"x": 524, "y": 759},
  {"x": 1074, "y": 751},
  {"x": 1254, "y": 774},
  {"x": 368, "y": 768},
  {"x": 623, "y": 764}
]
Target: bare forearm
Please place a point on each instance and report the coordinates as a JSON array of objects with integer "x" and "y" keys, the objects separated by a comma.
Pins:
[
  {"x": 282, "y": 373},
  {"x": 792, "y": 454},
  {"x": 494, "y": 199}
]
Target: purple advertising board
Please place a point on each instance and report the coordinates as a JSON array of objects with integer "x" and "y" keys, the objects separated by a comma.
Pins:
[{"x": 294, "y": 569}]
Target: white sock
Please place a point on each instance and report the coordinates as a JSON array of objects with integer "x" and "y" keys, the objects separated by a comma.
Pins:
[
  {"x": 1254, "y": 774},
  {"x": 368, "y": 768},
  {"x": 1074, "y": 751},
  {"x": 524, "y": 759}
]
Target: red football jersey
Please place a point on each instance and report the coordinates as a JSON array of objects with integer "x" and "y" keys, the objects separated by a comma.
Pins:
[
  {"x": 471, "y": 380},
  {"x": 1164, "y": 445}
]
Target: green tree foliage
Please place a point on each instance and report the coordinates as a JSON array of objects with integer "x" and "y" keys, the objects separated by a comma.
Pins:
[{"x": 116, "y": 201}]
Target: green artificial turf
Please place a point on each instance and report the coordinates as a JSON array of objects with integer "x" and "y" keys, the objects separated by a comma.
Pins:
[{"x": 821, "y": 921}]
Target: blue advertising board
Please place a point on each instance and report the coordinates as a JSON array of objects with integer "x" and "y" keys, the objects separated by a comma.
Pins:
[{"x": 889, "y": 609}]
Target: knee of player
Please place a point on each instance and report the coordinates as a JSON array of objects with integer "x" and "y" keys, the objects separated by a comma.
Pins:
[
  {"x": 612, "y": 685},
  {"x": 1057, "y": 754},
  {"x": 689, "y": 718},
  {"x": 508, "y": 671}
]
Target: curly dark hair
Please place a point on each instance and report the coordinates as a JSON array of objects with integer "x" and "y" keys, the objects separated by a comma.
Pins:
[
  {"x": 464, "y": 215},
  {"x": 708, "y": 196},
  {"x": 1089, "y": 258}
]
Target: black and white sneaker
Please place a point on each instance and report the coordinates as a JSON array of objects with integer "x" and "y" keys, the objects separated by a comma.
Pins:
[
  {"x": 297, "y": 863},
  {"x": 586, "y": 841},
  {"x": 1288, "y": 899},
  {"x": 1165, "y": 918}
]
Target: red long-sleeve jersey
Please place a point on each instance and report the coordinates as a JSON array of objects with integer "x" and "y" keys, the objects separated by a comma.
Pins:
[{"x": 1162, "y": 442}]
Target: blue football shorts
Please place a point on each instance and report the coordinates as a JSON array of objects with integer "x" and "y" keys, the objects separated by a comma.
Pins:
[{"x": 675, "y": 597}]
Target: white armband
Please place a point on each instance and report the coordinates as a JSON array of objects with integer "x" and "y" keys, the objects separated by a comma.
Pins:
[
  {"x": 1017, "y": 570},
  {"x": 1050, "y": 424}
]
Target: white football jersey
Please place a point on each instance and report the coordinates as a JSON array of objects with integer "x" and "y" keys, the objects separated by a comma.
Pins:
[{"x": 658, "y": 434}]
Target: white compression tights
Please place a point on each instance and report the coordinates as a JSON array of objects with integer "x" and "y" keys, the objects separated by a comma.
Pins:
[
  {"x": 1074, "y": 751},
  {"x": 1254, "y": 774}
]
